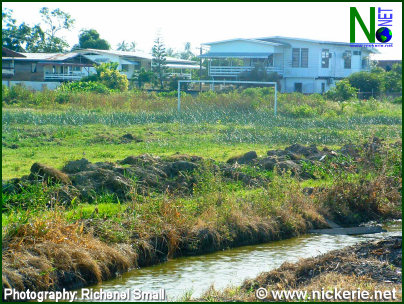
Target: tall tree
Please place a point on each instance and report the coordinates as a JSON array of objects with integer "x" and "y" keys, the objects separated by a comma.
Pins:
[
  {"x": 55, "y": 21},
  {"x": 187, "y": 54},
  {"x": 90, "y": 39},
  {"x": 20, "y": 38},
  {"x": 123, "y": 46},
  {"x": 159, "y": 65}
]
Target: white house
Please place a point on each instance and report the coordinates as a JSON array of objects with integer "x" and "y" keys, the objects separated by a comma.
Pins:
[
  {"x": 307, "y": 66},
  {"x": 129, "y": 62}
]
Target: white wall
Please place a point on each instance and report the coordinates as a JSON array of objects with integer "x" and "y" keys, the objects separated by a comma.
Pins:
[{"x": 33, "y": 85}]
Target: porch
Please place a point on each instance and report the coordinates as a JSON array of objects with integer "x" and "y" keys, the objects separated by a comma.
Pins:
[
  {"x": 234, "y": 64},
  {"x": 65, "y": 71},
  {"x": 235, "y": 71}
]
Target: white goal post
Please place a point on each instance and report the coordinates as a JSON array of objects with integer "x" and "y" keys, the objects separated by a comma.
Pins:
[{"x": 224, "y": 82}]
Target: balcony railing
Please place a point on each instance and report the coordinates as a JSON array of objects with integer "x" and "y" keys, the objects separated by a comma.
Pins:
[
  {"x": 234, "y": 71},
  {"x": 7, "y": 71},
  {"x": 180, "y": 75},
  {"x": 64, "y": 77}
]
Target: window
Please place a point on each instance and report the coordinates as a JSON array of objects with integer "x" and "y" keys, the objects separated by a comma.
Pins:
[
  {"x": 322, "y": 88},
  {"x": 125, "y": 67},
  {"x": 347, "y": 59},
  {"x": 33, "y": 68},
  {"x": 76, "y": 68},
  {"x": 271, "y": 60},
  {"x": 300, "y": 58},
  {"x": 357, "y": 53},
  {"x": 298, "y": 87},
  {"x": 325, "y": 58},
  {"x": 304, "y": 63},
  {"x": 295, "y": 58},
  {"x": 365, "y": 63}
]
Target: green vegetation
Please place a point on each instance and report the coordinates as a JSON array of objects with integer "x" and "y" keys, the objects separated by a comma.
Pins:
[{"x": 160, "y": 210}]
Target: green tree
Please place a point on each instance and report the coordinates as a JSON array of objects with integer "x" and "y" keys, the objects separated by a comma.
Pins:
[
  {"x": 159, "y": 66},
  {"x": 90, "y": 39},
  {"x": 55, "y": 21},
  {"x": 187, "y": 54},
  {"x": 128, "y": 47},
  {"x": 108, "y": 74},
  {"x": 393, "y": 80},
  {"x": 143, "y": 76},
  {"x": 20, "y": 38},
  {"x": 342, "y": 91},
  {"x": 366, "y": 82}
]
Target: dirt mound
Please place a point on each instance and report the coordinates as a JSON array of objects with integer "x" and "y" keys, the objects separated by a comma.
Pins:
[
  {"x": 243, "y": 159},
  {"x": 48, "y": 174},
  {"x": 127, "y": 138}
]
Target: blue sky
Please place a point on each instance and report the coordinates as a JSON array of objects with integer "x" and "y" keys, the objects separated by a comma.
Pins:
[{"x": 179, "y": 23}]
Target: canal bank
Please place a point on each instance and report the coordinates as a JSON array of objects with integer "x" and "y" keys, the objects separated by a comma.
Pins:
[{"x": 192, "y": 276}]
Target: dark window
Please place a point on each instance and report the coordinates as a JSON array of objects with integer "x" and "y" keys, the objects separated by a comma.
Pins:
[
  {"x": 271, "y": 60},
  {"x": 300, "y": 58},
  {"x": 322, "y": 88},
  {"x": 125, "y": 67},
  {"x": 33, "y": 68},
  {"x": 356, "y": 52},
  {"x": 325, "y": 58},
  {"x": 295, "y": 58},
  {"x": 365, "y": 63},
  {"x": 304, "y": 63},
  {"x": 298, "y": 87},
  {"x": 347, "y": 59}
]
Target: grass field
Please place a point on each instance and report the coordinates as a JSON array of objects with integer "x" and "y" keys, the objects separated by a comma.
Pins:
[{"x": 214, "y": 208}]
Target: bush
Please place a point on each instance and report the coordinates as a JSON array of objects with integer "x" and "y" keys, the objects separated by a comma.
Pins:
[
  {"x": 114, "y": 80},
  {"x": 342, "y": 91},
  {"x": 80, "y": 86},
  {"x": 370, "y": 84},
  {"x": 16, "y": 94}
]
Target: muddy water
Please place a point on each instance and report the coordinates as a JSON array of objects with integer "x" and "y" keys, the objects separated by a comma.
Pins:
[{"x": 233, "y": 266}]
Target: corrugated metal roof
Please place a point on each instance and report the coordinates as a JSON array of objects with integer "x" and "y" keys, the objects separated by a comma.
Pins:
[
  {"x": 244, "y": 39},
  {"x": 182, "y": 66},
  {"x": 275, "y": 39},
  {"x": 234, "y": 55},
  {"x": 132, "y": 54}
]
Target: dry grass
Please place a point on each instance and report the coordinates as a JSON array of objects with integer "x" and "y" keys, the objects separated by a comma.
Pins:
[{"x": 49, "y": 253}]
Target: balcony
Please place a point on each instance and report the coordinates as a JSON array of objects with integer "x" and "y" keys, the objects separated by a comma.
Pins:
[
  {"x": 234, "y": 71},
  {"x": 64, "y": 76},
  {"x": 180, "y": 75}
]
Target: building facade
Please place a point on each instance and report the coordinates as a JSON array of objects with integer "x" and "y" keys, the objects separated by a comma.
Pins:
[
  {"x": 307, "y": 66},
  {"x": 39, "y": 71}
]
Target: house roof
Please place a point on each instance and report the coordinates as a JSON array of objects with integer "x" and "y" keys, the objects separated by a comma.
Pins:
[
  {"x": 6, "y": 52},
  {"x": 49, "y": 58},
  {"x": 234, "y": 55},
  {"x": 245, "y": 39},
  {"x": 132, "y": 54},
  {"x": 278, "y": 39},
  {"x": 182, "y": 66}
]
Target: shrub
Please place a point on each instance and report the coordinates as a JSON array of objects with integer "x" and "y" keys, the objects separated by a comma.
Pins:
[
  {"x": 342, "y": 91},
  {"x": 17, "y": 94},
  {"x": 367, "y": 83},
  {"x": 81, "y": 86}
]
